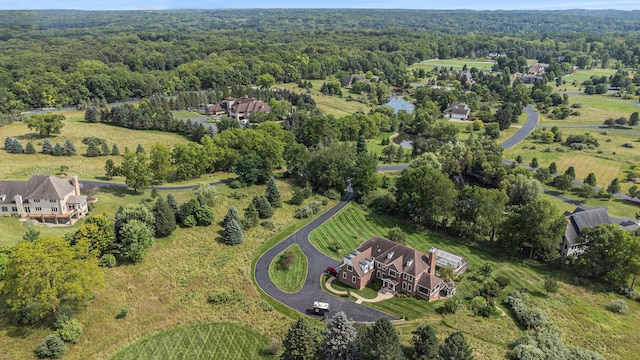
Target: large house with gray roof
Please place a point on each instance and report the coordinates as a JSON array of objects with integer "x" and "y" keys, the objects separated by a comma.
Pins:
[
  {"x": 401, "y": 269},
  {"x": 240, "y": 108},
  {"x": 45, "y": 198},
  {"x": 584, "y": 217}
]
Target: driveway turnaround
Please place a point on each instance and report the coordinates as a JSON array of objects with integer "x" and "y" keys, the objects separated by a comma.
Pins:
[{"x": 302, "y": 301}]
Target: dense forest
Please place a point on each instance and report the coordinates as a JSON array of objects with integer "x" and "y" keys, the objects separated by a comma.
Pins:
[{"x": 58, "y": 58}]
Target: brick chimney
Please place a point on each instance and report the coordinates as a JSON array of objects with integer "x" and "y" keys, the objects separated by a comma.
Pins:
[
  {"x": 432, "y": 261},
  {"x": 76, "y": 184}
]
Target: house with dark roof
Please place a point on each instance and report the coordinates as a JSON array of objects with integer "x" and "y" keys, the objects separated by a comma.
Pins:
[
  {"x": 457, "y": 110},
  {"x": 240, "y": 108},
  {"x": 584, "y": 217},
  {"x": 535, "y": 72},
  {"x": 401, "y": 269},
  {"x": 44, "y": 198},
  {"x": 349, "y": 80}
]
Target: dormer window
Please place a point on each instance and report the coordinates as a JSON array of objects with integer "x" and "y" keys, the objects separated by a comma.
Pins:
[
  {"x": 409, "y": 262},
  {"x": 390, "y": 255}
]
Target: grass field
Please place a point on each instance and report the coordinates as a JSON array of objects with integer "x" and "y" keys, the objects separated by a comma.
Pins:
[
  {"x": 615, "y": 207},
  {"x": 367, "y": 292},
  {"x": 170, "y": 286},
  {"x": 594, "y": 111},
  {"x": 581, "y": 76},
  {"x": 199, "y": 341},
  {"x": 186, "y": 115},
  {"x": 292, "y": 279},
  {"x": 332, "y": 105},
  {"x": 22, "y": 166},
  {"x": 571, "y": 309},
  {"x": 428, "y": 65}
]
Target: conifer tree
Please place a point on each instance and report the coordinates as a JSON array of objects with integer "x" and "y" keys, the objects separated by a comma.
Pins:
[
  {"x": 425, "y": 343},
  {"x": 339, "y": 339},
  {"x": 263, "y": 206},
  {"x": 58, "y": 150},
  {"x": 91, "y": 114},
  {"x": 115, "y": 151},
  {"x": 173, "y": 204},
  {"x": 8, "y": 144},
  {"x": 456, "y": 347},
  {"x": 92, "y": 150},
  {"x": 16, "y": 148},
  {"x": 381, "y": 342},
  {"x": 140, "y": 149},
  {"x": 30, "y": 149},
  {"x": 69, "y": 148},
  {"x": 232, "y": 214},
  {"x": 361, "y": 145},
  {"x": 47, "y": 148},
  {"x": 273, "y": 194},
  {"x": 250, "y": 216},
  {"x": 165, "y": 220},
  {"x": 300, "y": 342},
  {"x": 104, "y": 151},
  {"x": 232, "y": 234}
]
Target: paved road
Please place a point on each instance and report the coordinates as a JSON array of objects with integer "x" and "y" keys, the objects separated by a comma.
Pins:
[
  {"x": 525, "y": 130},
  {"x": 159, "y": 188},
  {"x": 302, "y": 301},
  {"x": 593, "y": 127}
]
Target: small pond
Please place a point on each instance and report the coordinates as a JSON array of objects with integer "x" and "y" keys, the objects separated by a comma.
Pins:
[{"x": 397, "y": 102}]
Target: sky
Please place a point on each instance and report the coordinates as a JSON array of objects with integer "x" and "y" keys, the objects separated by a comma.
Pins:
[{"x": 372, "y": 4}]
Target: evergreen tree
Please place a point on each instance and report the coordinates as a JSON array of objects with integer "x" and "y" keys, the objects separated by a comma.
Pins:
[
  {"x": 553, "y": 168},
  {"x": 263, "y": 206},
  {"x": 104, "y": 150},
  {"x": 571, "y": 171},
  {"x": 140, "y": 149},
  {"x": 250, "y": 216},
  {"x": 339, "y": 339},
  {"x": 425, "y": 343},
  {"x": 361, "y": 145},
  {"x": 52, "y": 348},
  {"x": 47, "y": 148},
  {"x": 8, "y": 144},
  {"x": 204, "y": 216},
  {"x": 16, "y": 148},
  {"x": 115, "y": 151},
  {"x": 534, "y": 163},
  {"x": 455, "y": 347},
  {"x": 92, "y": 150},
  {"x": 30, "y": 148},
  {"x": 380, "y": 342},
  {"x": 232, "y": 234},
  {"x": 173, "y": 204},
  {"x": 634, "y": 119},
  {"x": 591, "y": 179},
  {"x": 91, "y": 114},
  {"x": 58, "y": 150},
  {"x": 300, "y": 342},
  {"x": 273, "y": 194},
  {"x": 69, "y": 148},
  {"x": 614, "y": 187},
  {"x": 165, "y": 220},
  {"x": 232, "y": 214}
]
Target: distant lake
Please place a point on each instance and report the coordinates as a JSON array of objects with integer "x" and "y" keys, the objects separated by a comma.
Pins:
[{"x": 398, "y": 103}]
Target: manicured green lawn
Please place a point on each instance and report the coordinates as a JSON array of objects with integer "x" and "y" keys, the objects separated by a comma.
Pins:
[
  {"x": 186, "y": 115},
  {"x": 367, "y": 292},
  {"x": 457, "y": 64},
  {"x": 199, "y": 341},
  {"x": 333, "y": 105},
  {"x": 594, "y": 111},
  {"x": 616, "y": 207},
  {"x": 292, "y": 279}
]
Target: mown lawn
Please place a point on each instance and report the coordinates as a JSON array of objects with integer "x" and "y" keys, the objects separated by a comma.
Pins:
[
  {"x": 333, "y": 105},
  {"x": 199, "y": 341},
  {"x": 367, "y": 292},
  {"x": 457, "y": 64},
  {"x": 572, "y": 309},
  {"x": 289, "y": 279},
  {"x": 594, "y": 111},
  {"x": 186, "y": 115},
  {"x": 23, "y": 166},
  {"x": 171, "y": 285}
]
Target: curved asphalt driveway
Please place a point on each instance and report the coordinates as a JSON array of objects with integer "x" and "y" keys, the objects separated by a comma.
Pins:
[
  {"x": 525, "y": 130},
  {"x": 302, "y": 301}
]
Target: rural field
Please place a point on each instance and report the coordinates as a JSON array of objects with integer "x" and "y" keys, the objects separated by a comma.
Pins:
[
  {"x": 331, "y": 105},
  {"x": 172, "y": 285},
  {"x": 456, "y": 64},
  {"x": 572, "y": 308},
  {"x": 594, "y": 110}
]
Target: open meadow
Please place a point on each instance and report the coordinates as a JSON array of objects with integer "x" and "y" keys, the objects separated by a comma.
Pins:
[
  {"x": 594, "y": 110},
  {"x": 331, "y": 105},
  {"x": 457, "y": 64},
  {"x": 172, "y": 285},
  {"x": 572, "y": 308}
]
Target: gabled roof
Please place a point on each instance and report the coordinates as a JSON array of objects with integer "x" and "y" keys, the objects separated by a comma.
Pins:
[
  {"x": 582, "y": 218},
  {"x": 404, "y": 258},
  {"x": 457, "y": 107},
  {"x": 37, "y": 187},
  {"x": 244, "y": 105},
  {"x": 429, "y": 281}
]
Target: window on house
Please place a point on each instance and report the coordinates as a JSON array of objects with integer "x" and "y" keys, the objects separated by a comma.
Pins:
[
  {"x": 349, "y": 268},
  {"x": 404, "y": 286},
  {"x": 392, "y": 273},
  {"x": 14, "y": 209},
  {"x": 36, "y": 200},
  {"x": 378, "y": 274},
  {"x": 27, "y": 209},
  {"x": 38, "y": 208},
  {"x": 344, "y": 275},
  {"x": 52, "y": 201},
  {"x": 5, "y": 209},
  {"x": 408, "y": 287},
  {"x": 54, "y": 209},
  {"x": 353, "y": 279}
]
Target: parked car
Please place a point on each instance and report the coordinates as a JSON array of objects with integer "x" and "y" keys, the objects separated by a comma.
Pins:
[{"x": 332, "y": 270}]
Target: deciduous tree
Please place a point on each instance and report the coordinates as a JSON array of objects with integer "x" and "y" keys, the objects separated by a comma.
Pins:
[{"x": 45, "y": 124}]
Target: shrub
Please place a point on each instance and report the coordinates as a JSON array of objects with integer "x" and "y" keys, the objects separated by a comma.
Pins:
[
  {"x": 530, "y": 317},
  {"x": 619, "y": 306},
  {"x": 268, "y": 224},
  {"x": 503, "y": 281},
  {"x": 123, "y": 313},
  {"x": 397, "y": 235},
  {"x": 235, "y": 184},
  {"x": 628, "y": 145},
  {"x": 451, "y": 306},
  {"x": 628, "y": 293},
  {"x": 189, "y": 221},
  {"x": 561, "y": 149},
  {"x": 332, "y": 194},
  {"x": 69, "y": 330},
  {"x": 299, "y": 194},
  {"x": 551, "y": 284},
  {"x": 221, "y": 297},
  {"x": 52, "y": 348},
  {"x": 107, "y": 260},
  {"x": 204, "y": 216},
  {"x": 274, "y": 347}
]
